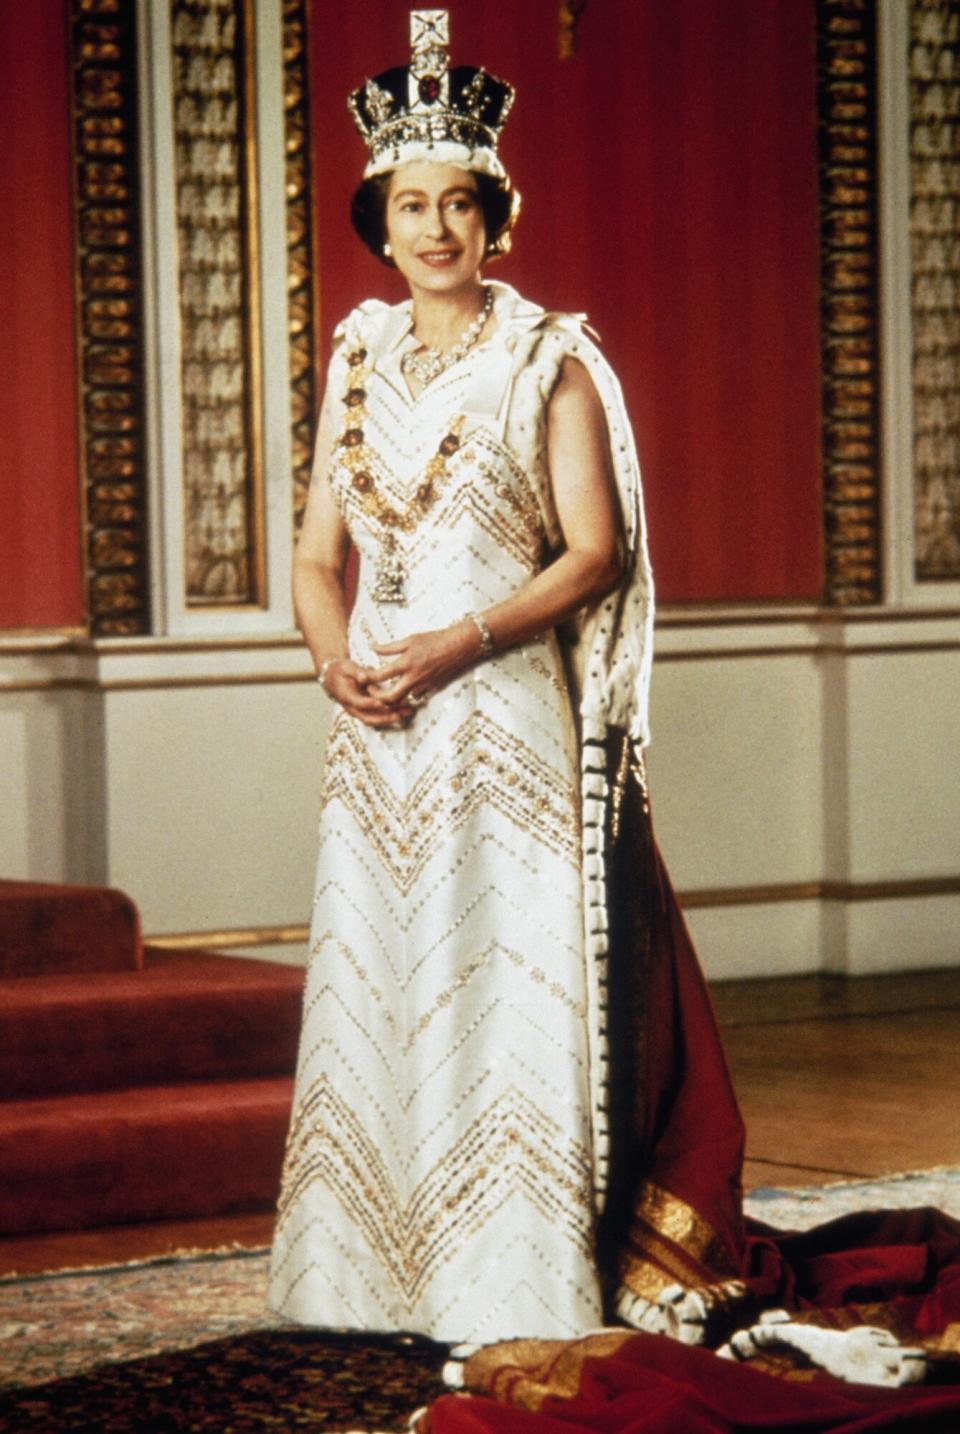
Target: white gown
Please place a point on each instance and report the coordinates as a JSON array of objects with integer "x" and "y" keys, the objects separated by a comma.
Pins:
[{"x": 440, "y": 1167}]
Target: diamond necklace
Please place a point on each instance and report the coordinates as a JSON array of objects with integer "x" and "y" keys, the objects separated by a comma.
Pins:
[{"x": 427, "y": 365}]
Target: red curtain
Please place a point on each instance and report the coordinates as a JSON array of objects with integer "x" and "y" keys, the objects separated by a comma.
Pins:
[
  {"x": 41, "y": 583},
  {"x": 669, "y": 181}
]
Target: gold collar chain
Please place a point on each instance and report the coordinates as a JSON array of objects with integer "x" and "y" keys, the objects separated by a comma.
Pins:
[{"x": 358, "y": 459}]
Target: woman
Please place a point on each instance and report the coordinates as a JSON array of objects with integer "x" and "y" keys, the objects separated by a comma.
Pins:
[
  {"x": 450, "y": 1167},
  {"x": 446, "y": 1162}
]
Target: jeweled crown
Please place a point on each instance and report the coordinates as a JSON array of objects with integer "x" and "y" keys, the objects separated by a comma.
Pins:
[{"x": 425, "y": 110}]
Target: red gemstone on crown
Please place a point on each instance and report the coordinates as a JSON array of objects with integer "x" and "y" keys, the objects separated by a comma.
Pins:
[{"x": 429, "y": 89}]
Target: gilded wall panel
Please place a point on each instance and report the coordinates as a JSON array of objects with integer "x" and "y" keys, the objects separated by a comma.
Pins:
[
  {"x": 103, "y": 42},
  {"x": 935, "y": 283},
  {"x": 301, "y": 251},
  {"x": 215, "y": 163},
  {"x": 849, "y": 340}
]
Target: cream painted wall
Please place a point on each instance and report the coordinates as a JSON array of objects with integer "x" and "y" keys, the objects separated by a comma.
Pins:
[
  {"x": 213, "y": 792},
  {"x": 185, "y": 774},
  {"x": 734, "y": 766},
  {"x": 50, "y": 784},
  {"x": 802, "y": 771},
  {"x": 781, "y": 938},
  {"x": 904, "y": 745}
]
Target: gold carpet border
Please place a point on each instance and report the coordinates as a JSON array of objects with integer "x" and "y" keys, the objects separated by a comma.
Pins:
[
  {"x": 109, "y": 314},
  {"x": 302, "y": 267},
  {"x": 849, "y": 328}
]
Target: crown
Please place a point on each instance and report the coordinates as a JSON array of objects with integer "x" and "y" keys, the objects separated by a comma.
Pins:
[{"x": 426, "y": 111}]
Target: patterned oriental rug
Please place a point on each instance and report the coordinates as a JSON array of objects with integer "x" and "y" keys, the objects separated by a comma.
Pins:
[
  {"x": 275, "y": 1379},
  {"x": 189, "y": 1344}
]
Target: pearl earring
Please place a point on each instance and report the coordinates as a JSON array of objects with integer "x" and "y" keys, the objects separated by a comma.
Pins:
[{"x": 387, "y": 251}]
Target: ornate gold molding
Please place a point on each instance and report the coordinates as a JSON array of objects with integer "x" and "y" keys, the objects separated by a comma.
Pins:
[
  {"x": 103, "y": 52},
  {"x": 935, "y": 276},
  {"x": 156, "y": 684},
  {"x": 233, "y": 936},
  {"x": 568, "y": 20},
  {"x": 849, "y": 342},
  {"x": 302, "y": 268},
  {"x": 775, "y": 894},
  {"x": 918, "y": 887},
  {"x": 215, "y": 158}
]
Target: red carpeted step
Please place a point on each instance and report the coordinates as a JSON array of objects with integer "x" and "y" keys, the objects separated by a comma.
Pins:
[
  {"x": 186, "y": 1016},
  {"x": 48, "y": 927},
  {"x": 154, "y": 1153}
]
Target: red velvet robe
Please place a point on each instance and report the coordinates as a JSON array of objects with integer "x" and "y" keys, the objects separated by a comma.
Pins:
[{"x": 674, "y": 1217}]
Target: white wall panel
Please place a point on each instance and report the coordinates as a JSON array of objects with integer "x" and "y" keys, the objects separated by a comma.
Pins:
[
  {"x": 738, "y": 942},
  {"x": 15, "y": 798},
  {"x": 905, "y": 764},
  {"x": 213, "y": 794},
  {"x": 735, "y": 769},
  {"x": 803, "y": 769},
  {"x": 911, "y": 934},
  {"x": 50, "y": 786}
]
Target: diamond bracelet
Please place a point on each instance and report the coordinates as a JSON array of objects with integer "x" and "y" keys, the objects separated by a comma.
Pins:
[
  {"x": 322, "y": 671},
  {"x": 487, "y": 644}
]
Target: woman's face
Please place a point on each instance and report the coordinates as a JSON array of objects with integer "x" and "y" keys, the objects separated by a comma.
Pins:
[{"x": 435, "y": 226}]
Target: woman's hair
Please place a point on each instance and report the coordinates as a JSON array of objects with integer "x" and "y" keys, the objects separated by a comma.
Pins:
[{"x": 499, "y": 201}]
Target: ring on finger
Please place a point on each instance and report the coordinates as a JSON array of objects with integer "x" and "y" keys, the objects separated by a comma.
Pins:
[{"x": 416, "y": 699}]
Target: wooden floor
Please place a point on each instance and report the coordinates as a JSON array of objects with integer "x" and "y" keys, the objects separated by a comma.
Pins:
[
  {"x": 840, "y": 1079},
  {"x": 837, "y": 1079}
]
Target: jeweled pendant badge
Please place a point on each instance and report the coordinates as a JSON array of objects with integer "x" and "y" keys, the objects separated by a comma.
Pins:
[{"x": 391, "y": 574}]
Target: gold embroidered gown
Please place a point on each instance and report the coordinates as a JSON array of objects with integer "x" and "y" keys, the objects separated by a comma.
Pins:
[{"x": 440, "y": 1173}]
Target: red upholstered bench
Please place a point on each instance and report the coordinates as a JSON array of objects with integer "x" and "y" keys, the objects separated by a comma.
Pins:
[
  {"x": 136, "y": 1083},
  {"x": 148, "y": 1153},
  {"x": 48, "y": 927},
  {"x": 186, "y": 1016}
]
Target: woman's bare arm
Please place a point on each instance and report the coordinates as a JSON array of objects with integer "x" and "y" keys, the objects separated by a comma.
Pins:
[{"x": 319, "y": 599}]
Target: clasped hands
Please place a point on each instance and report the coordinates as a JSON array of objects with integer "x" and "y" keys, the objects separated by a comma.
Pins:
[{"x": 388, "y": 696}]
